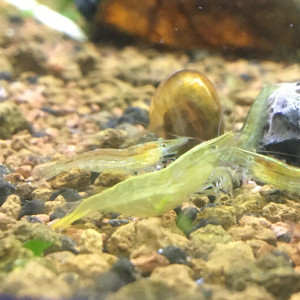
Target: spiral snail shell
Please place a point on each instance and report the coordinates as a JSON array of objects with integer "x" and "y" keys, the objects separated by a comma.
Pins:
[{"x": 186, "y": 104}]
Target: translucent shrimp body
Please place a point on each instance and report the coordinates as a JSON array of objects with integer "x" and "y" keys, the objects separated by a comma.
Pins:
[
  {"x": 132, "y": 160},
  {"x": 199, "y": 168},
  {"x": 155, "y": 193},
  {"x": 268, "y": 169}
]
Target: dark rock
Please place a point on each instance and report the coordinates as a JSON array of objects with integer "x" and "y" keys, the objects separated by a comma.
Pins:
[
  {"x": 273, "y": 260},
  {"x": 60, "y": 212},
  {"x": 132, "y": 115},
  {"x": 203, "y": 223},
  {"x": 117, "y": 222},
  {"x": 120, "y": 274},
  {"x": 68, "y": 244},
  {"x": 33, "y": 207},
  {"x": 285, "y": 238},
  {"x": 282, "y": 129},
  {"x": 69, "y": 194},
  {"x": 33, "y": 219},
  {"x": 4, "y": 170},
  {"x": 6, "y": 189},
  {"x": 5, "y": 75},
  {"x": 88, "y": 8},
  {"x": 174, "y": 254},
  {"x": 57, "y": 214}
]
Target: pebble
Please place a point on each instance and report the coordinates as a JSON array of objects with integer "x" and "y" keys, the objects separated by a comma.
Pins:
[
  {"x": 6, "y": 189},
  {"x": 12, "y": 206},
  {"x": 144, "y": 237},
  {"x": 120, "y": 274},
  {"x": 88, "y": 266},
  {"x": 276, "y": 212},
  {"x": 11, "y": 120},
  {"x": 147, "y": 263},
  {"x": 34, "y": 281},
  {"x": 174, "y": 254},
  {"x": 90, "y": 242},
  {"x": 177, "y": 276},
  {"x": 253, "y": 231},
  {"x": 73, "y": 179},
  {"x": 33, "y": 207},
  {"x": 69, "y": 194},
  {"x": 205, "y": 239},
  {"x": 224, "y": 215}
]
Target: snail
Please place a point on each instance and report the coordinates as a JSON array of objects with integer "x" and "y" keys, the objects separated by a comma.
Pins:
[{"x": 186, "y": 104}]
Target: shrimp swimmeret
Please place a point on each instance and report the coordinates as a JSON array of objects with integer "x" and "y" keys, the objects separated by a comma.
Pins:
[{"x": 133, "y": 159}]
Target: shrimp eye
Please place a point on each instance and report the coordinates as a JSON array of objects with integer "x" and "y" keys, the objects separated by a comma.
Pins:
[
  {"x": 214, "y": 147},
  {"x": 164, "y": 145}
]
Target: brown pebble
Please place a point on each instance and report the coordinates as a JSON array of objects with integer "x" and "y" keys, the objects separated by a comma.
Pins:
[{"x": 148, "y": 263}]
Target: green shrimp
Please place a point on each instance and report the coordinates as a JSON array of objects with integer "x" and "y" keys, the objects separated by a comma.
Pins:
[
  {"x": 268, "y": 169},
  {"x": 152, "y": 194},
  {"x": 134, "y": 159},
  {"x": 155, "y": 193}
]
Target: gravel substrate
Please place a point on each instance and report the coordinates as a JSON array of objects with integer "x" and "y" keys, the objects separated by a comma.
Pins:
[{"x": 59, "y": 97}]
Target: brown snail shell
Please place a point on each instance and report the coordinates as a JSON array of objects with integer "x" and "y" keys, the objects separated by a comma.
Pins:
[{"x": 186, "y": 104}]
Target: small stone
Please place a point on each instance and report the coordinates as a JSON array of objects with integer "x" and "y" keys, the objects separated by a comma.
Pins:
[
  {"x": 249, "y": 220},
  {"x": 69, "y": 194},
  {"x": 273, "y": 260},
  {"x": 281, "y": 282},
  {"x": 90, "y": 242},
  {"x": 36, "y": 281},
  {"x": 68, "y": 244},
  {"x": 25, "y": 231},
  {"x": 145, "y": 236},
  {"x": 40, "y": 218},
  {"x": 6, "y": 189},
  {"x": 174, "y": 254},
  {"x": 12, "y": 206},
  {"x": 232, "y": 263},
  {"x": 10, "y": 250},
  {"x": 176, "y": 276},
  {"x": 120, "y": 274},
  {"x": 148, "y": 290},
  {"x": 224, "y": 215},
  {"x": 11, "y": 120},
  {"x": 24, "y": 190},
  {"x": 260, "y": 247},
  {"x": 51, "y": 206},
  {"x": 250, "y": 203},
  {"x": 33, "y": 207},
  {"x": 87, "y": 265},
  {"x": 205, "y": 239},
  {"x": 41, "y": 194},
  {"x": 276, "y": 212},
  {"x": 109, "y": 178},
  {"x": 6, "y": 221},
  {"x": 117, "y": 222},
  {"x": 108, "y": 138},
  {"x": 73, "y": 179},
  {"x": 146, "y": 264},
  {"x": 132, "y": 115},
  {"x": 253, "y": 231}
]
